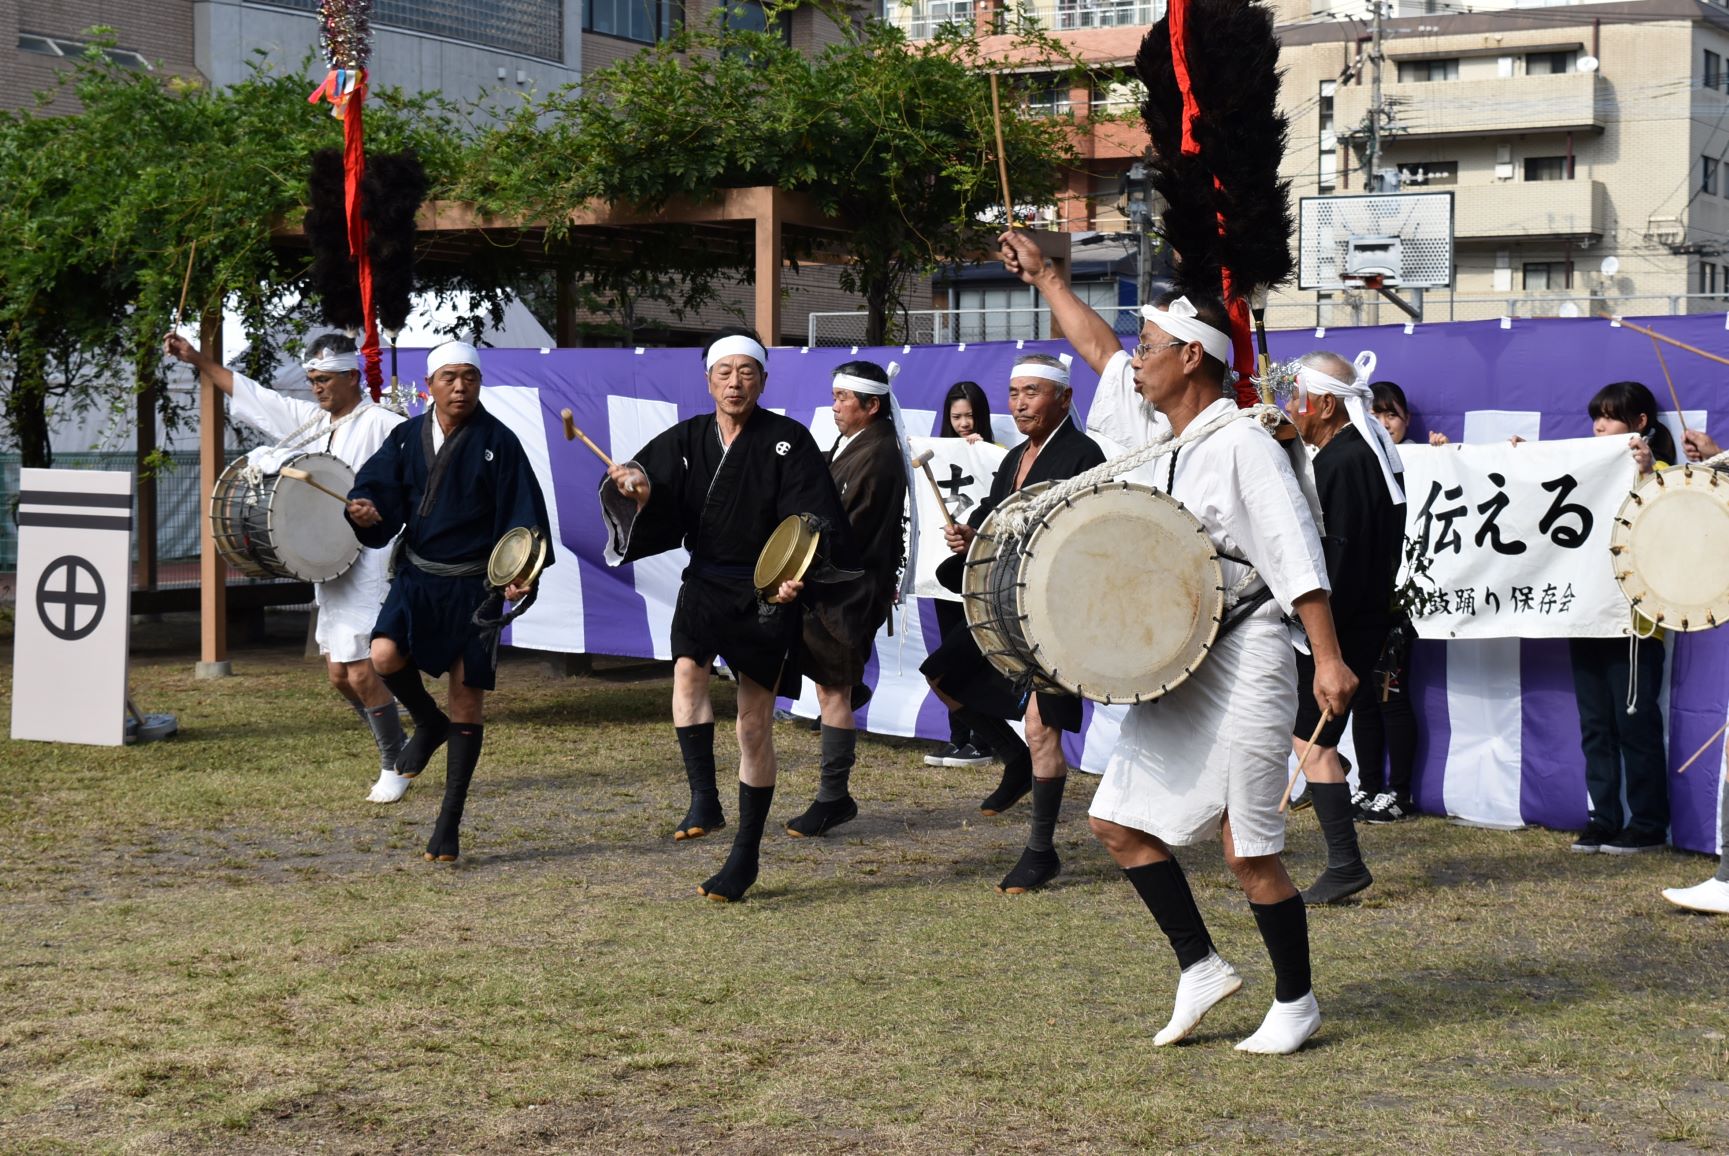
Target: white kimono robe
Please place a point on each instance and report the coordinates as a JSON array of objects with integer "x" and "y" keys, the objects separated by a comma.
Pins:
[
  {"x": 1220, "y": 741},
  {"x": 348, "y": 604}
]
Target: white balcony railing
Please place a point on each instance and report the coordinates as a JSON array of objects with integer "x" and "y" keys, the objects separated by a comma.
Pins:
[{"x": 920, "y": 19}]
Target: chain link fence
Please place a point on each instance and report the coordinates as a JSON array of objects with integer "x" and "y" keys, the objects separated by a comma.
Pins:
[{"x": 180, "y": 511}]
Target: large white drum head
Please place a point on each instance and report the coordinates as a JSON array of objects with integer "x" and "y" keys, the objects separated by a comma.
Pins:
[
  {"x": 308, "y": 533},
  {"x": 1670, "y": 543},
  {"x": 1123, "y": 593}
]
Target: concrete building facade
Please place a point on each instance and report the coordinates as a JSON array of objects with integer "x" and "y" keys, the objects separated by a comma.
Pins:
[{"x": 1568, "y": 134}]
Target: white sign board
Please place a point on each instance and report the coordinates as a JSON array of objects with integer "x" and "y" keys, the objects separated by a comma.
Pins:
[
  {"x": 74, "y": 595},
  {"x": 964, "y": 472},
  {"x": 1516, "y": 537}
]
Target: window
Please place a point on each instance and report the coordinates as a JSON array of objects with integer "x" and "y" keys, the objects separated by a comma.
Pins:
[
  {"x": 752, "y": 16},
  {"x": 61, "y": 46},
  {"x": 1707, "y": 278},
  {"x": 1712, "y": 74},
  {"x": 1548, "y": 169},
  {"x": 1421, "y": 71},
  {"x": 1550, "y": 63},
  {"x": 1541, "y": 275},
  {"x": 645, "y": 21},
  {"x": 1048, "y": 96},
  {"x": 1329, "y": 142},
  {"x": 524, "y": 27},
  {"x": 1429, "y": 174},
  {"x": 1708, "y": 175}
]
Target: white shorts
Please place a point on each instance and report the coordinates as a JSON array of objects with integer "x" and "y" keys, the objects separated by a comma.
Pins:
[
  {"x": 1218, "y": 744},
  {"x": 348, "y": 607}
]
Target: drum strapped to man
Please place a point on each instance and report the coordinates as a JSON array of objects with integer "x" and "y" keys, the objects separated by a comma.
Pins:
[
  {"x": 1670, "y": 548},
  {"x": 271, "y": 525},
  {"x": 1115, "y": 595}
]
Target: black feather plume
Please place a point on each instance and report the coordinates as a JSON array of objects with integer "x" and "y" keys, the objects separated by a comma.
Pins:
[
  {"x": 1233, "y": 61},
  {"x": 333, "y": 278},
  {"x": 391, "y": 194}
]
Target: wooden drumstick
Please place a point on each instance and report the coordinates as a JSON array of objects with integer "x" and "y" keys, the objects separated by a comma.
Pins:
[
  {"x": 1709, "y": 743},
  {"x": 1326, "y": 717},
  {"x": 303, "y": 476},
  {"x": 923, "y": 462},
  {"x": 1680, "y": 415},
  {"x": 571, "y": 433},
  {"x": 1002, "y": 155},
  {"x": 185, "y": 284}
]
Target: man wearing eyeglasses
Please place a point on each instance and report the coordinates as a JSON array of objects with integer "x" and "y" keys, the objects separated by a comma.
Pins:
[
  {"x": 1209, "y": 758},
  {"x": 718, "y": 484},
  {"x": 1055, "y": 449}
]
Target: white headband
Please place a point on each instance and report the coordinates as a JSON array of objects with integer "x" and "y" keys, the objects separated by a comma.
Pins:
[
  {"x": 1047, "y": 372},
  {"x": 737, "y": 343},
  {"x": 865, "y": 384},
  {"x": 1354, "y": 394},
  {"x": 1180, "y": 320},
  {"x": 330, "y": 362},
  {"x": 452, "y": 353}
]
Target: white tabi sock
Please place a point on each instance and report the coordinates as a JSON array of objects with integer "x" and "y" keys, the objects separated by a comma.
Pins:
[
  {"x": 1286, "y": 1028},
  {"x": 1202, "y": 985},
  {"x": 389, "y": 788}
]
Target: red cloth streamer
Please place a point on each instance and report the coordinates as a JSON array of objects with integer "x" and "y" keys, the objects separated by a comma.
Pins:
[
  {"x": 348, "y": 106},
  {"x": 1242, "y": 339}
]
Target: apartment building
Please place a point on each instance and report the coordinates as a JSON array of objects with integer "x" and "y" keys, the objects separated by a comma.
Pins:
[{"x": 1585, "y": 144}]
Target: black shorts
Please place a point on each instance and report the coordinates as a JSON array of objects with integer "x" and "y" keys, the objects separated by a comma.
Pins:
[
  {"x": 723, "y": 616},
  {"x": 970, "y": 680},
  {"x": 1361, "y": 649},
  {"x": 431, "y": 621}
]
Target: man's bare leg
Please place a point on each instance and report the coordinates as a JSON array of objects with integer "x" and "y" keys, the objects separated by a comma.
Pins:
[
  {"x": 756, "y": 775},
  {"x": 693, "y": 723},
  {"x": 834, "y": 803}
]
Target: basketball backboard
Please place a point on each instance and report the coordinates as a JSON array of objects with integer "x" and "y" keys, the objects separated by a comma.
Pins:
[{"x": 1375, "y": 240}]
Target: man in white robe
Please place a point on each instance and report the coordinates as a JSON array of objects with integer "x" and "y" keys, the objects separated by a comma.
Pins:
[
  {"x": 1211, "y": 755},
  {"x": 349, "y": 425}
]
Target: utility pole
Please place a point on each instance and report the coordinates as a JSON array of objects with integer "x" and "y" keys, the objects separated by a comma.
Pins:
[{"x": 1373, "y": 183}]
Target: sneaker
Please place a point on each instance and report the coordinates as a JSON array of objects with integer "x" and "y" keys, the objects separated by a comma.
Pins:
[
  {"x": 1591, "y": 839},
  {"x": 967, "y": 756},
  {"x": 1389, "y": 808},
  {"x": 1634, "y": 842},
  {"x": 941, "y": 756},
  {"x": 781, "y": 714},
  {"x": 1711, "y": 897},
  {"x": 1360, "y": 805}
]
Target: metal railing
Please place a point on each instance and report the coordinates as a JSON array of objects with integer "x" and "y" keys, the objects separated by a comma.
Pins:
[
  {"x": 1033, "y": 323},
  {"x": 920, "y": 19}
]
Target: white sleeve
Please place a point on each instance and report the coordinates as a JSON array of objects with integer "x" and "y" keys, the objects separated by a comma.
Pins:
[
  {"x": 267, "y": 411},
  {"x": 1118, "y": 413},
  {"x": 1270, "y": 521}
]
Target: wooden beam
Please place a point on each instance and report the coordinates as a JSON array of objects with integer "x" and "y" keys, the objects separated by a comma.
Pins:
[
  {"x": 144, "y": 576},
  {"x": 768, "y": 261},
  {"x": 212, "y": 571}
]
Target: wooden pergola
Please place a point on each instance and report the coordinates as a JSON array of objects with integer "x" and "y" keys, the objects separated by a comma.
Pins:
[{"x": 772, "y": 220}]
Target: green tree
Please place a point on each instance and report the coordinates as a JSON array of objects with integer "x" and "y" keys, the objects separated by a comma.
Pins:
[{"x": 894, "y": 138}]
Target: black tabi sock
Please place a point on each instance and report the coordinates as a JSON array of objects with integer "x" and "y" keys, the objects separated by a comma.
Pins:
[
  {"x": 839, "y": 745},
  {"x": 386, "y": 724},
  {"x": 1333, "y": 809},
  {"x": 460, "y": 759},
  {"x": 1285, "y": 930},
  {"x": 1047, "y": 809},
  {"x": 696, "y": 746},
  {"x": 740, "y": 869},
  {"x": 1165, "y": 890},
  {"x": 430, "y": 724},
  {"x": 1017, "y": 777}
]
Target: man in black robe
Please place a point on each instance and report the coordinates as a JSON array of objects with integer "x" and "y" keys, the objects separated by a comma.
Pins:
[
  {"x": 452, "y": 481},
  {"x": 1054, "y": 450},
  {"x": 719, "y": 484},
  {"x": 1363, "y": 516},
  {"x": 870, "y": 472}
]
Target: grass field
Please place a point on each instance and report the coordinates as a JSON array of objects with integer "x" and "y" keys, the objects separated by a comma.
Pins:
[{"x": 214, "y": 945}]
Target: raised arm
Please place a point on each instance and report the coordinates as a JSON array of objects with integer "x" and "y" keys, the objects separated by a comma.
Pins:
[
  {"x": 1090, "y": 334},
  {"x": 180, "y": 349}
]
